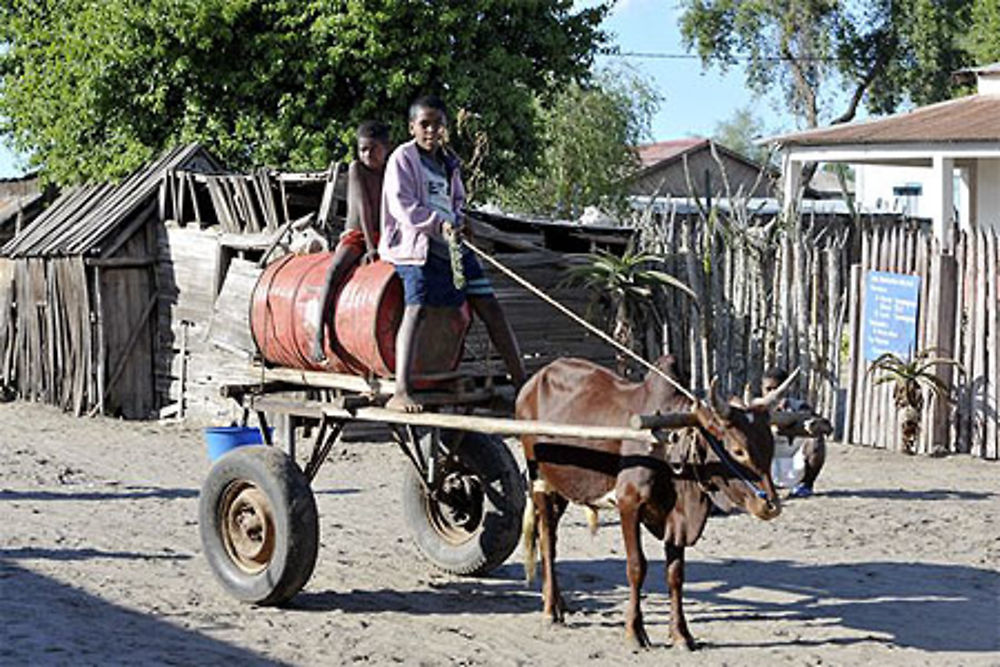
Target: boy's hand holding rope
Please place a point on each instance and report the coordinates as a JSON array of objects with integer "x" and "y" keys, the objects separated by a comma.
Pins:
[{"x": 452, "y": 234}]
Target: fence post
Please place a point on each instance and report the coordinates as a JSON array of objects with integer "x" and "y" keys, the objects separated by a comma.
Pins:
[
  {"x": 856, "y": 368},
  {"x": 942, "y": 336}
]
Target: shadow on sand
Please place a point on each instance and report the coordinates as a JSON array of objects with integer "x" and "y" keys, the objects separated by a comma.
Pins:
[
  {"x": 133, "y": 493},
  {"x": 908, "y": 496},
  {"x": 32, "y": 553},
  {"x": 932, "y": 607},
  {"x": 48, "y": 622},
  {"x": 125, "y": 493}
]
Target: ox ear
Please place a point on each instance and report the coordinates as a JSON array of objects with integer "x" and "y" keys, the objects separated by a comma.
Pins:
[
  {"x": 720, "y": 406},
  {"x": 770, "y": 399}
]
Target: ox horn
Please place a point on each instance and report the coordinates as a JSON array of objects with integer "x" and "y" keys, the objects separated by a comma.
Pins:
[
  {"x": 770, "y": 399},
  {"x": 719, "y": 406}
]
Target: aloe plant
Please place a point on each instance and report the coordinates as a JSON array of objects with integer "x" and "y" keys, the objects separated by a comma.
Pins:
[
  {"x": 909, "y": 378},
  {"x": 627, "y": 285}
]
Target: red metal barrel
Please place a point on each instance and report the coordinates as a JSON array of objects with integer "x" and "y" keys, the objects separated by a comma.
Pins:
[{"x": 367, "y": 309}]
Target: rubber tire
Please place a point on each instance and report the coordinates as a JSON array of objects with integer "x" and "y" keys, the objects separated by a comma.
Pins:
[
  {"x": 503, "y": 507},
  {"x": 296, "y": 524}
]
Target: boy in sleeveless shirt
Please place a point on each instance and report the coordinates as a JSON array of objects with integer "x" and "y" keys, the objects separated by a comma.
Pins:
[{"x": 361, "y": 230}]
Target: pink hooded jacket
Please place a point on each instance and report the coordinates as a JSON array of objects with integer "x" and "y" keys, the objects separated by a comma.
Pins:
[{"x": 407, "y": 220}]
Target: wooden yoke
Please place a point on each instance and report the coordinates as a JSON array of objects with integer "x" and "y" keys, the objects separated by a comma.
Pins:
[
  {"x": 670, "y": 420},
  {"x": 789, "y": 422}
]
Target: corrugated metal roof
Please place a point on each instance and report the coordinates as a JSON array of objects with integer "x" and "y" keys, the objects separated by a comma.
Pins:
[
  {"x": 82, "y": 218},
  {"x": 974, "y": 118},
  {"x": 650, "y": 154}
]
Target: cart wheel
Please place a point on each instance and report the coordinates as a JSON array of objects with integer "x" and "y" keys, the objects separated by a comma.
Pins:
[
  {"x": 259, "y": 526},
  {"x": 473, "y": 521}
]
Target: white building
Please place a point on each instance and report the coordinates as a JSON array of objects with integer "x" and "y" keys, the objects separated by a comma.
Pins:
[
  {"x": 940, "y": 161},
  {"x": 895, "y": 189}
]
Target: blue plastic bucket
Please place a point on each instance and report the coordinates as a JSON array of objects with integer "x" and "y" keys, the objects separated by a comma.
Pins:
[{"x": 221, "y": 439}]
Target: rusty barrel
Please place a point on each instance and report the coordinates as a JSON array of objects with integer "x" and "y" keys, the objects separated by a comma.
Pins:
[{"x": 366, "y": 311}]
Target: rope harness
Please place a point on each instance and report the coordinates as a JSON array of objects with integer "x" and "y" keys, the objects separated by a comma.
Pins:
[
  {"x": 730, "y": 463},
  {"x": 695, "y": 458}
]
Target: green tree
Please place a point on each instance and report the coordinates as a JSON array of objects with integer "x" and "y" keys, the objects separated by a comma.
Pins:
[
  {"x": 588, "y": 134},
  {"x": 882, "y": 52},
  {"x": 93, "y": 89},
  {"x": 984, "y": 37},
  {"x": 739, "y": 132}
]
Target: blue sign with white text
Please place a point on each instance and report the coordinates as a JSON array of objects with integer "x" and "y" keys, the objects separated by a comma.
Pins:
[{"x": 890, "y": 314}]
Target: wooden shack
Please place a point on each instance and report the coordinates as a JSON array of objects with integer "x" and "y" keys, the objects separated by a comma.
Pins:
[{"x": 81, "y": 290}]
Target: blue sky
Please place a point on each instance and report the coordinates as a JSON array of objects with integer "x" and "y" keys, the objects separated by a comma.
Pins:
[{"x": 695, "y": 100}]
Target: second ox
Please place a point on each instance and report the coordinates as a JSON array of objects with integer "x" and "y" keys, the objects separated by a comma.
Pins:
[{"x": 724, "y": 458}]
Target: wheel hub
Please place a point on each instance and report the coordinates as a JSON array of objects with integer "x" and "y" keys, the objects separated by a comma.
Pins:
[
  {"x": 248, "y": 527},
  {"x": 461, "y": 501}
]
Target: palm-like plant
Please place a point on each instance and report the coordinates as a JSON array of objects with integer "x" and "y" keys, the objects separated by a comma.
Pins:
[
  {"x": 910, "y": 377},
  {"x": 627, "y": 286}
]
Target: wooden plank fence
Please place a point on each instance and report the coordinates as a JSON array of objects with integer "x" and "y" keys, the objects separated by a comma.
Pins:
[
  {"x": 959, "y": 311},
  {"x": 793, "y": 296},
  {"x": 766, "y": 296},
  {"x": 977, "y": 297}
]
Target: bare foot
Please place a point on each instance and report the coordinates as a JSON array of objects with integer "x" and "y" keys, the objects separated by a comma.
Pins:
[{"x": 403, "y": 402}]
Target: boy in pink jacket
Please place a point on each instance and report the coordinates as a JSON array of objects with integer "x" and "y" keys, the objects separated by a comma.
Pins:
[{"x": 422, "y": 200}]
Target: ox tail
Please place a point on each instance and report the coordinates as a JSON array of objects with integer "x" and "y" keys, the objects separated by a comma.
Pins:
[
  {"x": 529, "y": 539},
  {"x": 591, "y": 518}
]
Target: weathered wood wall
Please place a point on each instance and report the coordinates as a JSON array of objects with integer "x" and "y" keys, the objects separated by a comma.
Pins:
[
  {"x": 8, "y": 320},
  {"x": 190, "y": 366},
  {"x": 703, "y": 174},
  {"x": 542, "y": 332},
  {"x": 125, "y": 310},
  {"x": 48, "y": 347},
  {"x": 55, "y": 351}
]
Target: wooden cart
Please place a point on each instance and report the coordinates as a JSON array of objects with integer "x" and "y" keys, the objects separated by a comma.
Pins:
[{"x": 463, "y": 492}]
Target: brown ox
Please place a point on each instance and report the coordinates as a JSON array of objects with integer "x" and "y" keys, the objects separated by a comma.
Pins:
[{"x": 669, "y": 488}]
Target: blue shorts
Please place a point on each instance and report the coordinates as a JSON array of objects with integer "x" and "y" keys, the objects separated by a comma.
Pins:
[{"x": 431, "y": 284}]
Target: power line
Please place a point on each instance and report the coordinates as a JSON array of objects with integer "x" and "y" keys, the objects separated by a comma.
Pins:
[
  {"x": 646, "y": 54},
  {"x": 610, "y": 53}
]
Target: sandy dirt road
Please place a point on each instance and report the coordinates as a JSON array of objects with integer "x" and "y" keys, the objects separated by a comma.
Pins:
[{"x": 896, "y": 561}]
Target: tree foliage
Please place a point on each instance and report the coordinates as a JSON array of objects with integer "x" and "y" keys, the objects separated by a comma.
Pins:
[
  {"x": 984, "y": 38},
  {"x": 739, "y": 132},
  {"x": 588, "y": 134},
  {"x": 880, "y": 52},
  {"x": 93, "y": 89}
]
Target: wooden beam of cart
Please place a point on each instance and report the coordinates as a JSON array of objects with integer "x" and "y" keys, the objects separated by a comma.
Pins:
[
  {"x": 342, "y": 381},
  {"x": 475, "y": 423},
  {"x": 789, "y": 422}
]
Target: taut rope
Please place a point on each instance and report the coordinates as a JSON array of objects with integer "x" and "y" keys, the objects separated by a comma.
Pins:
[{"x": 576, "y": 318}]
